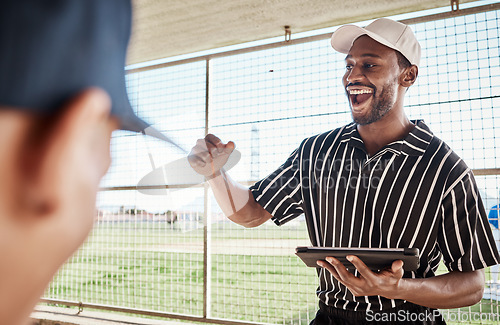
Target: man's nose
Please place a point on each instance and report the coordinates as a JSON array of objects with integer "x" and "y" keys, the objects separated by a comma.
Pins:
[{"x": 353, "y": 75}]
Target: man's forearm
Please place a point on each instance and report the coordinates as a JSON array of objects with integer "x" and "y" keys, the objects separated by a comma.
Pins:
[
  {"x": 452, "y": 290},
  {"x": 237, "y": 202}
]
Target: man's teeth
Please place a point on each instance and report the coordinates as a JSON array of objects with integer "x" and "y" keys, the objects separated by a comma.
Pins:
[{"x": 359, "y": 91}]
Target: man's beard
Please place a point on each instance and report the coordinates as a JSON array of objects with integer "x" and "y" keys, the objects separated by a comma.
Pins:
[{"x": 379, "y": 107}]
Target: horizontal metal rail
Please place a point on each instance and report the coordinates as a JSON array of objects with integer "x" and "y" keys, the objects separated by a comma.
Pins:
[
  {"x": 476, "y": 172},
  {"x": 82, "y": 305},
  {"x": 486, "y": 171},
  {"x": 410, "y": 21}
]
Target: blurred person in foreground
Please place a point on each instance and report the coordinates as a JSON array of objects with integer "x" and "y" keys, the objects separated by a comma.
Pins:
[
  {"x": 62, "y": 93},
  {"x": 382, "y": 181}
]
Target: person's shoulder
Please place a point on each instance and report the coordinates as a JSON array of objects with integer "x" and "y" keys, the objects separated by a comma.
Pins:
[
  {"x": 329, "y": 137},
  {"x": 438, "y": 148},
  {"x": 447, "y": 161},
  {"x": 322, "y": 142},
  {"x": 441, "y": 149}
]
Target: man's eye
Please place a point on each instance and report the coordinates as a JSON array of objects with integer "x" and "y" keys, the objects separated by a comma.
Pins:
[
  {"x": 348, "y": 67},
  {"x": 368, "y": 66}
]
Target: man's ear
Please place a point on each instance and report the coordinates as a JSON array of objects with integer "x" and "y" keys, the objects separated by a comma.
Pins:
[
  {"x": 409, "y": 76},
  {"x": 58, "y": 148}
]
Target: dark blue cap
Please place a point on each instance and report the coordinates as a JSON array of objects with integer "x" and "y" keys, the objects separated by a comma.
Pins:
[{"x": 53, "y": 49}]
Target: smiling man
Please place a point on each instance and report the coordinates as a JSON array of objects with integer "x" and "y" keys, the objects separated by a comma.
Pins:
[{"x": 382, "y": 181}]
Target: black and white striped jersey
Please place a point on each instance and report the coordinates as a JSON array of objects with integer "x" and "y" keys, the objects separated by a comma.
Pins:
[{"x": 415, "y": 193}]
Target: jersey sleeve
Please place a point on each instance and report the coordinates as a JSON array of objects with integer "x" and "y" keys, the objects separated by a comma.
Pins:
[
  {"x": 465, "y": 236},
  {"x": 280, "y": 192}
]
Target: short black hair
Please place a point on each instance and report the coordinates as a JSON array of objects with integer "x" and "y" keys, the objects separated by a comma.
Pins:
[{"x": 403, "y": 61}]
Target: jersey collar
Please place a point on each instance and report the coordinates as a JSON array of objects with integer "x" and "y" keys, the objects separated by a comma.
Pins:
[{"x": 414, "y": 144}]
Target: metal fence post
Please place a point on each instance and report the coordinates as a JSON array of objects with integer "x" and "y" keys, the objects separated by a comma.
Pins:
[{"x": 206, "y": 207}]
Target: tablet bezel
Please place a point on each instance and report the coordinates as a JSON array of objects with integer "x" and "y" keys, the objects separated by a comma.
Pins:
[{"x": 375, "y": 258}]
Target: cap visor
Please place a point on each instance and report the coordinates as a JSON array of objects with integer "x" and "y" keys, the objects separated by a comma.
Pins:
[
  {"x": 344, "y": 37},
  {"x": 151, "y": 131}
]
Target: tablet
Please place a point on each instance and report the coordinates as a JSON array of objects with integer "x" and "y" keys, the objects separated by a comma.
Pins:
[{"x": 375, "y": 258}]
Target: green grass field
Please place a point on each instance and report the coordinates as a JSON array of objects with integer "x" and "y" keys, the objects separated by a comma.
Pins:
[{"x": 254, "y": 274}]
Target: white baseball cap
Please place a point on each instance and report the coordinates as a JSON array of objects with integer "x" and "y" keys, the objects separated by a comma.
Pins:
[{"x": 390, "y": 33}]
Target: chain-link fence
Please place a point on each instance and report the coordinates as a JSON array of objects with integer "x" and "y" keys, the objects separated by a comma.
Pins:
[{"x": 170, "y": 252}]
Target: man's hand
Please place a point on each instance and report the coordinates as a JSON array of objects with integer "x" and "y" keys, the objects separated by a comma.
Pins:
[
  {"x": 209, "y": 155},
  {"x": 385, "y": 283}
]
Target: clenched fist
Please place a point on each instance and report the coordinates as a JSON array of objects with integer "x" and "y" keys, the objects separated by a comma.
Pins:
[{"x": 209, "y": 155}]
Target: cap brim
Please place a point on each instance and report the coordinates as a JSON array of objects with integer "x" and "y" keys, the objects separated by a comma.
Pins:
[
  {"x": 344, "y": 37},
  {"x": 155, "y": 133},
  {"x": 54, "y": 51}
]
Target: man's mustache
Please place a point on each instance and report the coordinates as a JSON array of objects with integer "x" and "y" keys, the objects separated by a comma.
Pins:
[{"x": 360, "y": 84}]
